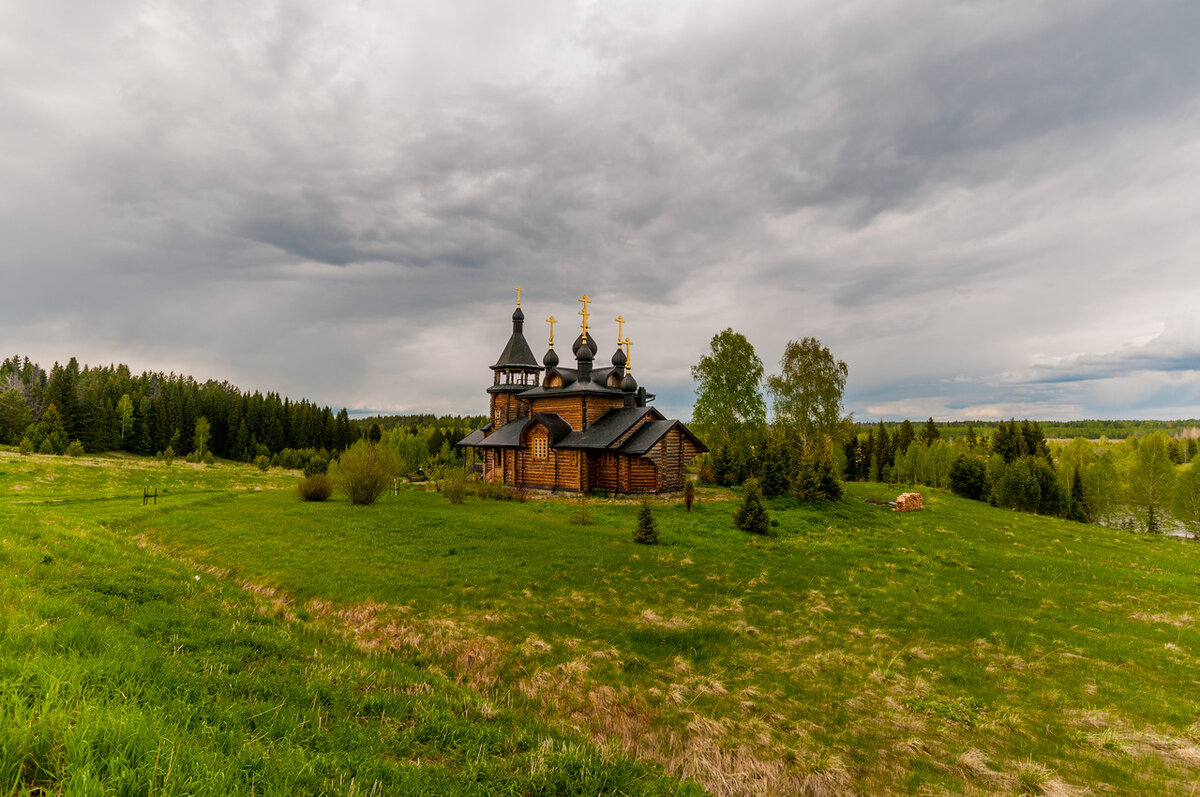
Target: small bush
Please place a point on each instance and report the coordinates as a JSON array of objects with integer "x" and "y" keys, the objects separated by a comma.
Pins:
[
  {"x": 454, "y": 485},
  {"x": 318, "y": 463},
  {"x": 494, "y": 490},
  {"x": 689, "y": 495},
  {"x": 75, "y": 449},
  {"x": 316, "y": 487},
  {"x": 646, "y": 531},
  {"x": 262, "y": 462},
  {"x": 26, "y": 447},
  {"x": 365, "y": 470},
  {"x": 751, "y": 515}
]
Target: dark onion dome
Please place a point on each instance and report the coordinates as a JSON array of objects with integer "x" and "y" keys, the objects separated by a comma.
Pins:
[
  {"x": 628, "y": 384},
  {"x": 586, "y": 353},
  {"x": 518, "y": 315},
  {"x": 591, "y": 342},
  {"x": 618, "y": 359},
  {"x": 551, "y": 359}
]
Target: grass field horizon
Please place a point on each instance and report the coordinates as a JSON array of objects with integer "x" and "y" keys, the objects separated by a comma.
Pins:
[{"x": 961, "y": 648}]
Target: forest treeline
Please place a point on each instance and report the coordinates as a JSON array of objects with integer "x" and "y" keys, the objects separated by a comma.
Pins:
[
  {"x": 110, "y": 409},
  {"x": 74, "y": 409},
  {"x": 1066, "y": 430}
]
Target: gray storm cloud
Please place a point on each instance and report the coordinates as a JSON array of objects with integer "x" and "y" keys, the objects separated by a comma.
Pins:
[{"x": 979, "y": 207}]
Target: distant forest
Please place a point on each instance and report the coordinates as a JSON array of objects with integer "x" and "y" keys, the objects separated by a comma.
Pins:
[
  {"x": 1064, "y": 430},
  {"x": 110, "y": 409}
]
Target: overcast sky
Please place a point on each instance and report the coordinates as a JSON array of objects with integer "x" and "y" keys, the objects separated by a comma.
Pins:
[{"x": 985, "y": 208}]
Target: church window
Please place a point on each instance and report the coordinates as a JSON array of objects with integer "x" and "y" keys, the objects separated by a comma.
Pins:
[{"x": 541, "y": 447}]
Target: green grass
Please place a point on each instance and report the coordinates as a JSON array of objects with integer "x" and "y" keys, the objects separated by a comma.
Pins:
[
  {"x": 961, "y": 647},
  {"x": 125, "y": 671}
]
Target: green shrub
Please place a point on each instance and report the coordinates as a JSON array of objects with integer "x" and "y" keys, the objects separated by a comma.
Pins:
[
  {"x": 316, "y": 487},
  {"x": 646, "y": 531},
  {"x": 26, "y": 447},
  {"x": 365, "y": 470},
  {"x": 968, "y": 477},
  {"x": 494, "y": 490},
  {"x": 75, "y": 449},
  {"x": 454, "y": 485},
  {"x": 751, "y": 515},
  {"x": 262, "y": 462},
  {"x": 318, "y": 463}
]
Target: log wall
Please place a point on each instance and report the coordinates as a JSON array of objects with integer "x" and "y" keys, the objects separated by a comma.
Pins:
[
  {"x": 569, "y": 409},
  {"x": 539, "y": 473}
]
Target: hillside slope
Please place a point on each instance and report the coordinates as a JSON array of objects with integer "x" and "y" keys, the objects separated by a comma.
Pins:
[{"x": 961, "y": 647}]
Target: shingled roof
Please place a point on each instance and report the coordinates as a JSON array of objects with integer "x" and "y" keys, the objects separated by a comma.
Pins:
[
  {"x": 605, "y": 431},
  {"x": 645, "y": 438},
  {"x": 517, "y": 353}
]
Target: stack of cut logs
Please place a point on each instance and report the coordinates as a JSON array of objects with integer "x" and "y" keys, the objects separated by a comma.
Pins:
[{"x": 908, "y": 502}]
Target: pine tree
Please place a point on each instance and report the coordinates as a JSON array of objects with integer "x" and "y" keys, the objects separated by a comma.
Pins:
[
  {"x": 646, "y": 531},
  {"x": 751, "y": 515}
]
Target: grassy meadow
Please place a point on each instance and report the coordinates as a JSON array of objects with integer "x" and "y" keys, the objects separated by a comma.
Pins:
[{"x": 235, "y": 639}]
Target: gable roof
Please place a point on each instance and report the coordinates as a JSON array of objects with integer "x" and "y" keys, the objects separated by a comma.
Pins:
[
  {"x": 557, "y": 427},
  {"x": 507, "y": 436},
  {"x": 648, "y": 436},
  {"x": 610, "y": 426},
  {"x": 475, "y": 438}
]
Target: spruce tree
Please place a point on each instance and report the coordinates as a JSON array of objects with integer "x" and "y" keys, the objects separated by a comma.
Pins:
[
  {"x": 720, "y": 465},
  {"x": 930, "y": 432},
  {"x": 905, "y": 437},
  {"x": 850, "y": 449},
  {"x": 1077, "y": 508},
  {"x": 884, "y": 449},
  {"x": 646, "y": 531},
  {"x": 751, "y": 515},
  {"x": 773, "y": 477}
]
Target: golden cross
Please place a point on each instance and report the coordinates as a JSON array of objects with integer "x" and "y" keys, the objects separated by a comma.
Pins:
[
  {"x": 518, "y": 296},
  {"x": 628, "y": 359},
  {"x": 620, "y": 324},
  {"x": 584, "y": 312},
  {"x": 552, "y": 321}
]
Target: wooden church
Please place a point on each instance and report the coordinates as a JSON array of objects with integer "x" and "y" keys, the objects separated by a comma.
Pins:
[{"x": 578, "y": 429}]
